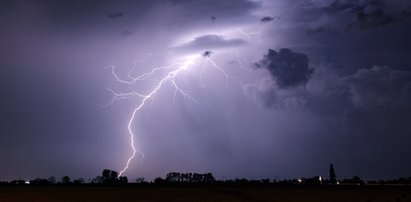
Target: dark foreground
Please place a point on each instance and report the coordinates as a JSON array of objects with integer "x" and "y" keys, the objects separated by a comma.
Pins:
[{"x": 204, "y": 193}]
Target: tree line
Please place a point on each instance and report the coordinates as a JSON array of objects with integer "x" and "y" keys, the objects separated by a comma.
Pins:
[{"x": 110, "y": 177}]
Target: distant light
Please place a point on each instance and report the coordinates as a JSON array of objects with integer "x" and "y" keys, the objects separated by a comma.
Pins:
[
  {"x": 338, "y": 182},
  {"x": 27, "y": 182},
  {"x": 299, "y": 180},
  {"x": 320, "y": 178}
]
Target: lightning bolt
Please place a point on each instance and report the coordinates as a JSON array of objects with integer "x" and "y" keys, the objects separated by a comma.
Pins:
[
  {"x": 173, "y": 71},
  {"x": 248, "y": 34},
  {"x": 239, "y": 61},
  {"x": 170, "y": 76}
]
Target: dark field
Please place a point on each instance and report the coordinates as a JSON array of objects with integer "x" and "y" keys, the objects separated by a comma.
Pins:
[{"x": 204, "y": 193}]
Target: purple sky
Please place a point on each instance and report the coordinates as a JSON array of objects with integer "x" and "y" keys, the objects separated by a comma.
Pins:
[{"x": 310, "y": 83}]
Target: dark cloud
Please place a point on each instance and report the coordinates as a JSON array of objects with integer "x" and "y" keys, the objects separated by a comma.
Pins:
[
  {"x": 336, "y": 6},
  {"x": 330, "y": 93},
  {"x": 370, "y": 13},
  {"x": 380, "y": 87},
  {"x": 316, "y": 30},
  {"x": 115, "y": 15},
  {"x": 330, "y": 29},
  {"x": 210, "y": 7},
  {"x": 289, "y": 69},
  {"x": 210, "y": 42},
  {"x": 368, "y": 19},
  {"x": 339, "y": 6},
  {"x": 126, "y": 33},
  {"x": 267, "y": 19},
  {"x": 207, "y": 53}
]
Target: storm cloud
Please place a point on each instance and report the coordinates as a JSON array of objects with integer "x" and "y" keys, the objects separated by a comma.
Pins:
[
  {"x": 266, "y": 19},
  {"x": 338, "y": 93},
  {"x": 115, "y": 15},
  {"x": 289, "y": 69},
  {"x": 362, "y": 15},
  {"x": 380, "y": 86}
]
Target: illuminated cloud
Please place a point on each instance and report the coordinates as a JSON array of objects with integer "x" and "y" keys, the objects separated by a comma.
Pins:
[{"x": 210, "y": 42}]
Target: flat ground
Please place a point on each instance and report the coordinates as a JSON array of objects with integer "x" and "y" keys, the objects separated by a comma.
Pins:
[{"x": 205, "y": 193}]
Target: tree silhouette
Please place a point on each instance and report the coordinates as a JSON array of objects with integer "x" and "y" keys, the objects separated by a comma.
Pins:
[
  {"x": 173, "y": 177},
  {"x": 106, "y": 173},
  {"x": 65, "y": 180},
  {"x": 52, "y": 179},
  {"x": 159, "y": 180},
  {"x": 39, "y": 181},
  {"x": 140, "y": 180},
  {"x": 333, "y": 177},
  {"x": 208, "y": 178},
  {"x": 123, "y": 180},
  {"x": 78, "y": 181},
  {"x": 98, "y": 179},
  {"x": 113, "y": 174},
  {"x": 109, "y": 176},
  {"x": 176, "y": 177}
]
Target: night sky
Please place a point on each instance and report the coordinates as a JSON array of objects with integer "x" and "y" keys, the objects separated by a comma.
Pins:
[{"x": 309, "y": 83}]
